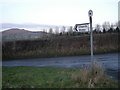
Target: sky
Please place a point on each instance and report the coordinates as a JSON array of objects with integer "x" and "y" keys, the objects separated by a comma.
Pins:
[{"x": 58, "y": 12}]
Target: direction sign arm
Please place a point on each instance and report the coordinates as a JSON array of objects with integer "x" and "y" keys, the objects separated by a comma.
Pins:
[{"x": 76, "y": 27}]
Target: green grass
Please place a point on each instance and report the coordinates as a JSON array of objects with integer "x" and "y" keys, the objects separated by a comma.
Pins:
[{"x": 48, "y": 77}]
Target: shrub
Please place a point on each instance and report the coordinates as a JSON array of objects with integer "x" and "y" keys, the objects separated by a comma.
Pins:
[{"x": 91, "y": 76}]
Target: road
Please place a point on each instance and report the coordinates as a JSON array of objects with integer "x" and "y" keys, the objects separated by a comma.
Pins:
[{"x": 109, "y": 62}]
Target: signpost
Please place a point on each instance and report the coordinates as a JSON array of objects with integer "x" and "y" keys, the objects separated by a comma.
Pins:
[
  {"x": 90, "y": 14},
  {"x": 82, "y": 27}
]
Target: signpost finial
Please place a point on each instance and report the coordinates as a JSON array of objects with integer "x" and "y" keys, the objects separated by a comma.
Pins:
[{"x": 90, "y": 13}]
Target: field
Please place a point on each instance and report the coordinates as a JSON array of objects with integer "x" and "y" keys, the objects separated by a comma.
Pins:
[
  {"x": 60, "y": 46},
  {"x": 49, "y": 77}
]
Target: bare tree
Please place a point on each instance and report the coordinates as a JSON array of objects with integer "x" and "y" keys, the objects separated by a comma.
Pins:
[
  {"x": 98, "y": 28},
  {"x": 44, "y": 30},
  {"x": 70, "y": 30},
  {"x": 43, "y": 35},
  {"x": 116, "y": 24},
  {"x": 112, "y": 26},
  {"x": 63, "y": 29},
  {"x": 50, "y": 30},
  {"x": 56, "y": 30},
  {"x": 106, "y": 26}
]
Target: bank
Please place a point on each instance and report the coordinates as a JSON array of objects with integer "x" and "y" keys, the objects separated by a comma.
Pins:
[
  {"x": 60, "y": 46},
  {"x": 48, "y": 77}
]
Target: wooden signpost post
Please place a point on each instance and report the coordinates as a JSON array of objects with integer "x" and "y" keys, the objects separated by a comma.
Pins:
[{"x": 90, "y": 14}]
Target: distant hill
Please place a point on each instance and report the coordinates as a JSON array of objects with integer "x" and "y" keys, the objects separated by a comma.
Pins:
[
  {"x": 20, "y": 34},
  {"x": 14, "y": 31}
]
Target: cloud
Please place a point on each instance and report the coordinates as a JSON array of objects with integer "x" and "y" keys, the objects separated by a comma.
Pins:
[
  {"x": 13, "y": 0},
  {"x": 58, "y": 11}
]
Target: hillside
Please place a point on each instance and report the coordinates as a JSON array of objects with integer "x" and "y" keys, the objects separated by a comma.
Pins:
[
  {"x": 20, "y": 34},
  {"x": 14, "y": 31}
]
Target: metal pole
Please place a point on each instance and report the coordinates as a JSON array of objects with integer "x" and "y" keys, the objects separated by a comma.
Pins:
[{"x": 91, "y": 38}]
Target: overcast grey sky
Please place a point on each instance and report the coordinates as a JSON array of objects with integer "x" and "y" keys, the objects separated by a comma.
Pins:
[{"x": 58, "y": 12}]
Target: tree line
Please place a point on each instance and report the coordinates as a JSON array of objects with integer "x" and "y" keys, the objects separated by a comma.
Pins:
[{"x": 106, "y": 27}]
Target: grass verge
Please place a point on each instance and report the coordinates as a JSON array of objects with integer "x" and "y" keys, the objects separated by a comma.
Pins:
[{"x": 48, "y": 77}]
